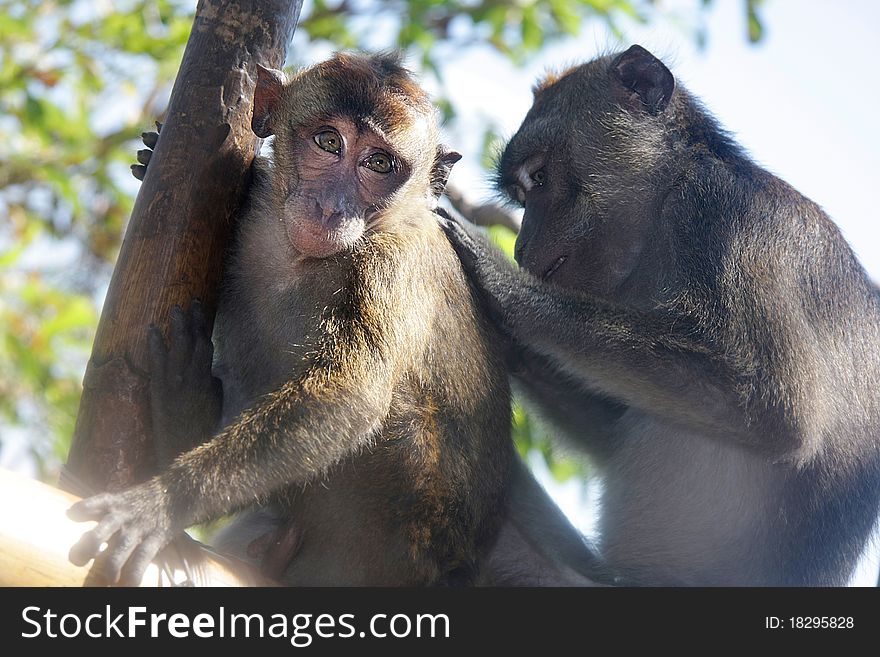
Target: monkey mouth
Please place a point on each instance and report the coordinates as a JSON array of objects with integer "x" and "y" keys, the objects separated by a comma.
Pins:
[
  {"x": 552, "y": 268},
  {"x": 319, "y": 242}
]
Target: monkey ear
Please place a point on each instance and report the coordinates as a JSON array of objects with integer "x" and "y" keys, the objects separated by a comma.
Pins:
[
  {"x": 444, "y": 160},
  {"x": 647, "y": 82},
  {"x": 270, "y": 83}
]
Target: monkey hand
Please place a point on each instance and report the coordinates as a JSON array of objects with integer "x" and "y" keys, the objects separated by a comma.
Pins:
[
  {"x": 185, "y": 399},
  {"x": 150, "y": 140},
  {"x": 135, "y": 524},
  {"x": 492, "y": 272}
]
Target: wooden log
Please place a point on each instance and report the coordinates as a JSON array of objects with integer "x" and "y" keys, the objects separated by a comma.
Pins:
[
  {"x": 36, "y": 534},
  {"x": 179, "y": 228}
]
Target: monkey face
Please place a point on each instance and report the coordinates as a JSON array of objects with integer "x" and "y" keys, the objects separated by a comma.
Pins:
[
  {"x": 582, "y": 164},
  {"x": 345, "y": 176},
  {"x": 555, "y": 221},
  {"x": 354, "y": 137}
]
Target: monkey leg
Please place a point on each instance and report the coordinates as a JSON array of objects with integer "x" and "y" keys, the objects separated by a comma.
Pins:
[{"x": 186, "y": 400}]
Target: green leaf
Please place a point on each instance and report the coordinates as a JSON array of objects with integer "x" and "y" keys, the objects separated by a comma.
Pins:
[
  {"x": 492, "y": 144},
  {"x": 755, "y": 28},
  {"x": 14, "y": 29},
  {"x": 532, "y": 35},
  {"x": 566, "y": 16},
  {"x": 447, "y": 109},
  {"x": 504, "y": 238},
  {"x": 75, "y": 313}
]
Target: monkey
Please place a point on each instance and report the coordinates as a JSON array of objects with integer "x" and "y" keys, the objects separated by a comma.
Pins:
[
  {"x": 695, "y": 325},
  {"x": 361, "y": 421},
  {"x": 369, "y": 406}
]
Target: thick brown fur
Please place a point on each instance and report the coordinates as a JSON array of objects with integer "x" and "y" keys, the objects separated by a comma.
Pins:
[
  {"x": 428, "y": 481},
  {"x": 366, "y": 406}
]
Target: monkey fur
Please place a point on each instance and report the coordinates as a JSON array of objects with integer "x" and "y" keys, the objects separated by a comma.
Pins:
[
  {"x": 366, "y": 408},
  {"x": 696, "y": 325}
]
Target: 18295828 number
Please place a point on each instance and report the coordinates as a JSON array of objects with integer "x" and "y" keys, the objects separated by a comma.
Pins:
[
  {"x": 820, "y": 622},
  {"x": 809, "y": 622}
]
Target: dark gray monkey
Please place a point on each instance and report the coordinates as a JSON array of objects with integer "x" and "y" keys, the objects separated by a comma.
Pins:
[
  {"x": 697, "y": 325},
  {"x": 366, "y": 411}
]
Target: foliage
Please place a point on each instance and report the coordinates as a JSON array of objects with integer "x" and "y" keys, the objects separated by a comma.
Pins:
[
  {"x": 81, "y": 78},
  {"x": 78, "y": 80}
]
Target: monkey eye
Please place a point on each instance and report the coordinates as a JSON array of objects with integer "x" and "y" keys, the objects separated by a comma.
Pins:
[
  {"x": 379, "y": 162},
  {"x": 330, "y": 141},
  {"x": 539, "y": 177}
]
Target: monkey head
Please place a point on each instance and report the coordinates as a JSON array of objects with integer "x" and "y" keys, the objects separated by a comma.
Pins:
[
  {"x": 584, "y": 166},
  {"x": 355, "y": 136}
]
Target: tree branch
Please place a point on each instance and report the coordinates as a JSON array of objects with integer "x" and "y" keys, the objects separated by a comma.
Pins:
[
  {"x": 488, "y": 214},
  {"x": 181, "y": 223},
  {"x": 35, "y": 538}
]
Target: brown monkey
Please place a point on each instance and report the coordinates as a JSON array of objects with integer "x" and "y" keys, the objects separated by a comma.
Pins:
[
  {"x": 699, "y": 326},
  {"x": 365, "y": 396}
]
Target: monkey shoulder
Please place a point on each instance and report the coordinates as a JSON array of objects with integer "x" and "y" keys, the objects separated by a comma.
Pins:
[
  {"x": 733, "y": 219},
  {"x": 458, "y": 341},
  {"x": 414, "y": 248}
]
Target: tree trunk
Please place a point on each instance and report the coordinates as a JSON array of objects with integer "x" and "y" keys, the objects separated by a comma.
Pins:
[{"x": 178, "y": 231}]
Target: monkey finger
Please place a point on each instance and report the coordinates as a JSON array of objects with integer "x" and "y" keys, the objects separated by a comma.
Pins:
[
  {"x": 136, "y": 565},
  {"x": 158, "y": 352},
  {"x": 181, "y": 342},
  {"x": 150, "y": 139},
  {"x": 452, "y": 227},
  {"x": 91, "y": 508},
  {"x": 196, "y": 310},
  {"x": 203, "y": 348},
  {"x": 465, "y": 228},
  {"x": 89, "y": 544},
  {"x": 462, "y": 243},
  {"x": 138, "y": 171},
  {"x": 110, "y": 564},
  {"x": 477, "y": 254},
  {"x": 199, "y": 323},
  {"x": 443, "y": 217}
]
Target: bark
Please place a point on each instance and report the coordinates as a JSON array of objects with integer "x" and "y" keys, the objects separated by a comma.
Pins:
[{"x": 176, "y": 236}]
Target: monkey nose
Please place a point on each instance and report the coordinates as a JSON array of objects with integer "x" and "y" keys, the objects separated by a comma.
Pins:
[
  {"x": 329, "y": 213},
  {"x": 331, "y": 218}
]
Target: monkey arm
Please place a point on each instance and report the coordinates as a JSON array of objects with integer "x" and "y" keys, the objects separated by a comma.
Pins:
[
  {"x": 291, "y": 436},
  {"x": 565, "y": 402},
  {"x": 658, "y": 363},
  {"x": 185, "y": 399}
]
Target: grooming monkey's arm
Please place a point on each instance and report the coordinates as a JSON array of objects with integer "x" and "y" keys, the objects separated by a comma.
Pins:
[
  {"x": 648, "y": 361},
  {"x": 571, "y": 408},
  {"x": 564, "y": 400}
]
